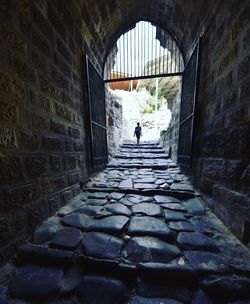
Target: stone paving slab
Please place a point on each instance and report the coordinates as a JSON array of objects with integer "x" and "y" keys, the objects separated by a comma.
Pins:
[{"x": 138, "y": 233}]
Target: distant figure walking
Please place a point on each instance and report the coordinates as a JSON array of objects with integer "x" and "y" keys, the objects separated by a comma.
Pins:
[{"x": 138, "y": 133}]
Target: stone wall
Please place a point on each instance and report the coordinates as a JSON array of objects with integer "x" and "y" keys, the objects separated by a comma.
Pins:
[
  {"x": 222, "y": 143},
  {"x": 44, "y": 138},
  {"x": 223, "y": 138},
  {"x": 169, "y": 138},
  {"x": 43, "y": 155},
  {"x": 114, "y": 122}
]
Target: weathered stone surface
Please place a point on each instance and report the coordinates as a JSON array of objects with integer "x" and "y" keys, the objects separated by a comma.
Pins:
[
  {"x": 174, "y": 216},
  {"x": 177, "y": 274},
  {"x": 112, "y": 224},
  {"x": 144, "y": 186},
  {"x": 173, "y": 206},
  {"x": 135, "y": 198},
  {"x": 182, "y": 187},
  {"x": 97, "y": 195},
  {"x": 71, "y": 207},
  {"x": 227, "y": 288},
  {"x": 3, "y": 295},
  {"x": 206, "y": 262},
  {"x": 36, "y": 282},
  {"x": 47, "y": 230},
  {"x": 150, "y": 288},
  {"x": 102, "y": 245},
  {"x": 118, "y": 209},
  {"x": 72, "y": 279},
  {"x": 15, "y": 198},
  {"x": 149, "y": 249},
  {"x": 80, "y": 221},
  {"x": 116, "y": 195},
  {"x": 89, "y": 210},
  {"x": 41, "y": 253},
  {"x": 67, "y": 238},
  {"x": 181, "y": 226},
  {"x": 201, "y": 297},
  {"x": 149, "y": 209},
  {"x": 96, "y": 201},
  {"x": 145, "y": 180},
  {"x": 126, "y": 184},
  {"x": 166, "y": 199},
  {"x": 96, "y": 289},
  {"x": 196, "y": 241},
  {"x": 142, "y": 300},
  {"x": 146, "y": 225},
  {"x": 195, "y": 206}
]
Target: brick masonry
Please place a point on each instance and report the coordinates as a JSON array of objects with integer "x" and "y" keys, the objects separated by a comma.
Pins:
[
  {"x": 44, "y": 138},
  {"x": 42, "y": 124}
]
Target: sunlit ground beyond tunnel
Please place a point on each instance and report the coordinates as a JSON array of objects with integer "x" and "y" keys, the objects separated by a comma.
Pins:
[{"x": 140, "y": 106}]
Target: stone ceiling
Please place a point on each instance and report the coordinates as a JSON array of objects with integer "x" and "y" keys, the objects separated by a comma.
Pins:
[{"x": 183, "y": 19}]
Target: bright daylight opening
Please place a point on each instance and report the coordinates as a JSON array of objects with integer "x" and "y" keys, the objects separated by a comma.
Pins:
[{"x": 143, "y": 74}]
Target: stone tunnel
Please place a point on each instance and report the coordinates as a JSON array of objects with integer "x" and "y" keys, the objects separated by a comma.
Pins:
[{"x": 46, "y": 159}]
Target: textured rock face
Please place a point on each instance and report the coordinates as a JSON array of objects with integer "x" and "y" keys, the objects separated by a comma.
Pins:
[
  {"x": 153, "y": 254},
  {"x": 44, "y": 133},
  {"x": 114, "y": 122}
]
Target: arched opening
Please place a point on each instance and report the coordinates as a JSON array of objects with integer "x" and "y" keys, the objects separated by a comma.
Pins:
[
  {"x": 144, "y": 50},
  {"x": 143, "y": 71}
]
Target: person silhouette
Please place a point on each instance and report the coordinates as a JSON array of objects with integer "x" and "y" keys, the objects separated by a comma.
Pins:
[{"x": 138, "y": 133}]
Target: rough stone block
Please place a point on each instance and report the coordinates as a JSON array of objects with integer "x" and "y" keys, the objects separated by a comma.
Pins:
[
  {"x": 41, "y": 101},
  {"x": 45, "y": 186},
  {"x": 228, "y": 59},
  {"x": 63, "y": 67},
  {"x": 6, "y": 229},
  {"x": 10, "y": 167},
  {"x": 74, "y": 132},
  {"x": 57, "y": 127},
  {"x": 8, "y": 112},
  {"x": 69, "y": 145},
  {"x": 58, "y": 182},
  {"x": 64, "y": 51},
  {"x": 7, "y": 138},
  {"x": 245, "y": 90},
  {"x": 36, "y": 121},
  {"x": 18, "y": 197},
  {"x": 56, "y": 22},
  {"x": 246, "y": 40},
  {"x": 73, "y": 178},
  {"x": 29, "y": 140},
  {"x": 11, "y": 37},
  {"x": 70, "y": 162},
  {"x": 55, "y": 163},
  {"x": 40, "y": 42},
  {"x": 244, "y": 68},
  {"x": 78, "y": 146},
  {"x": 42, "y": 24},
  {"x": 21, "y": 68},
  {"x": 81, "y": 161},
  {"x": 49, "y": 88},
  {"x": 36, "y": 165},
  {"x": 67, "y": 196},
  {"x": 54, "y": 204},
  {"x": 11, "y": 85},
  {"x": 63, "y": 111},
  {"x": 36, "y": 214},
  {"x": 53, "y": 143}
]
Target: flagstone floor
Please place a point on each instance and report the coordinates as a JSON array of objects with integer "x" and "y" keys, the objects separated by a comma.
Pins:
[{"x": 138, "y": 233}]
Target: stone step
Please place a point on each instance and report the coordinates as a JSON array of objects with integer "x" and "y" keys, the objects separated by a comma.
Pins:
[
  {"x": 142, "y": 156},
  {"x": 141, "y": 147},
  {"x": 160, "y": 151}
]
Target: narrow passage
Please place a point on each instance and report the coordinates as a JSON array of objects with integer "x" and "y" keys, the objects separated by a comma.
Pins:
[{"x": 139, "y": 234}]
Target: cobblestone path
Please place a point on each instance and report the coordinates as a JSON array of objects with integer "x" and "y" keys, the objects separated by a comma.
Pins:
[{"x": 139, "y": 234}]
